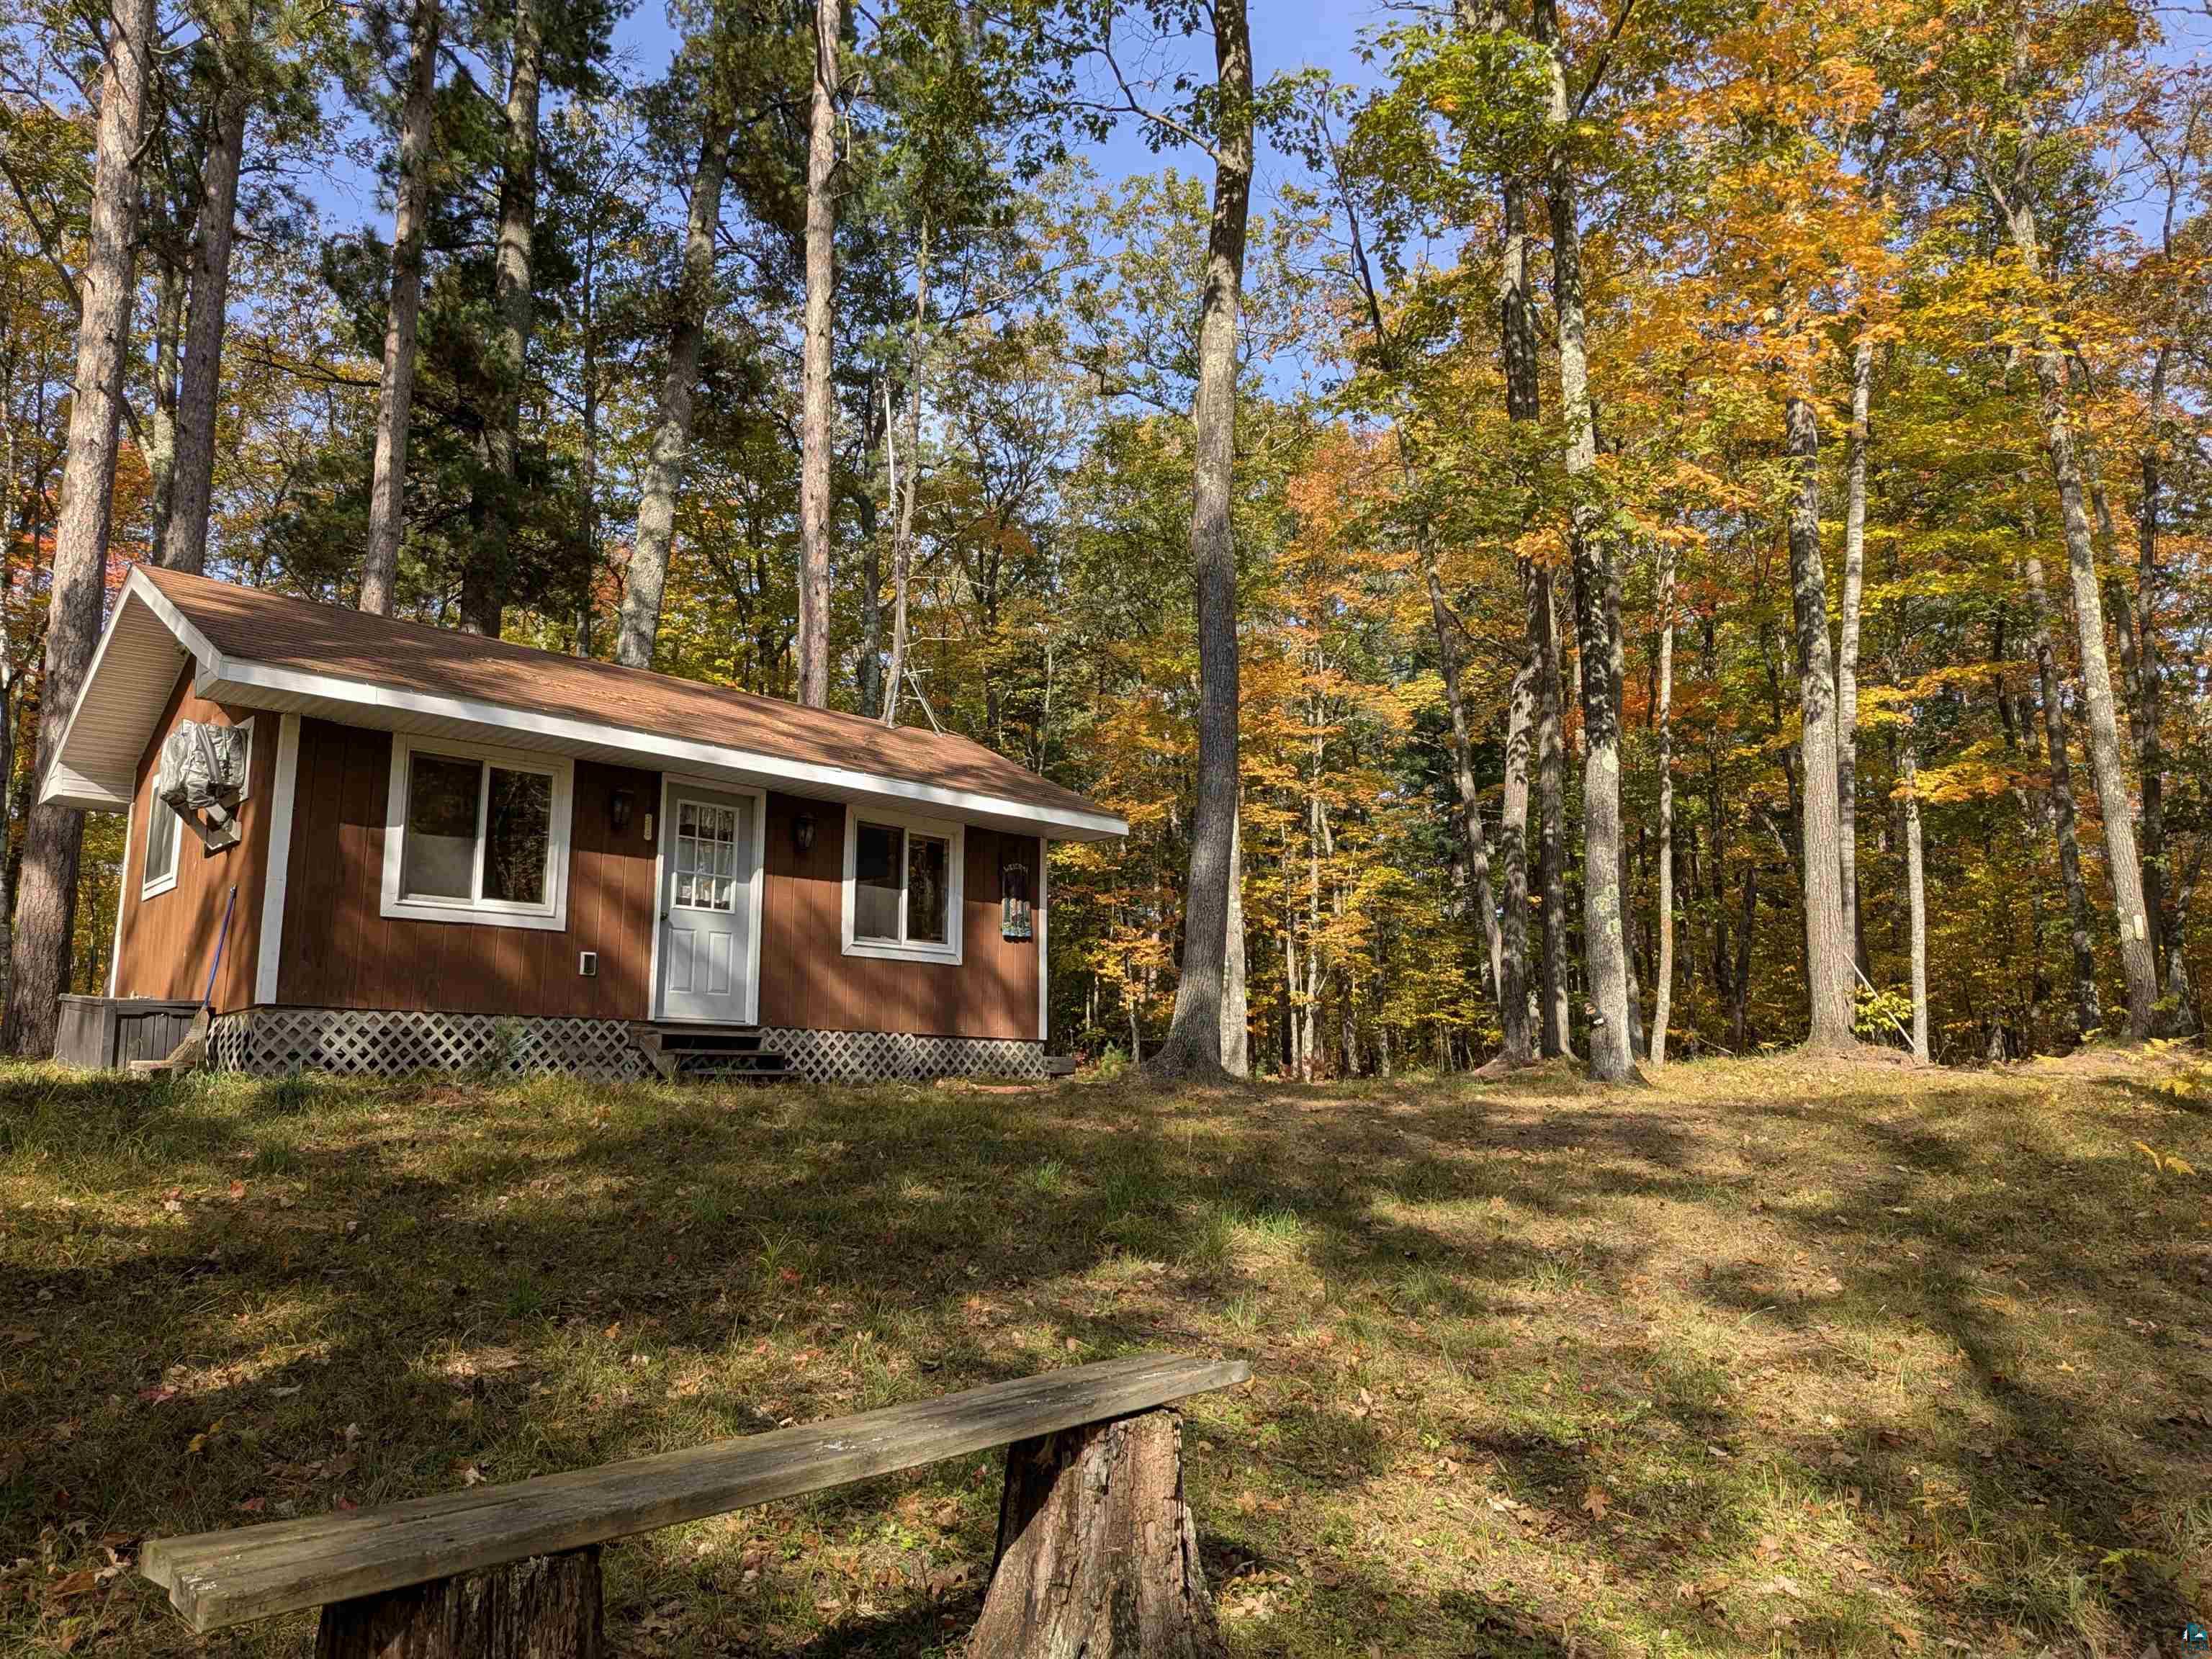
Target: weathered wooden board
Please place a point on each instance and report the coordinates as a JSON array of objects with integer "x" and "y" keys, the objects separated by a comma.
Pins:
[{"x": 220, "y": 1578}]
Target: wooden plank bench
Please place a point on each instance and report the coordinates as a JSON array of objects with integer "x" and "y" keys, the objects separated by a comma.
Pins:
[{"x": 1097, "y": 1551}]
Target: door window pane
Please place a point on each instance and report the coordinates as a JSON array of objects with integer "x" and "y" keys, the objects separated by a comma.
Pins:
[
  {"x": 706, "y": 856},
  {"x": 877, "y": 868},
  {"x": 927, "y": 894},
  {"x": 517, "y": 836},
  {"x": 441, "y": 854}
]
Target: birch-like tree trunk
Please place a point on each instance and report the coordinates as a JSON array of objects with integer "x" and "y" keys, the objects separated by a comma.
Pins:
[
  {"x": 1847, "y": 646},
  {"x": 2107, "y": 768},
  {"x": 902, "y": 536},
  {"x": 1236, "y": 1007},
  {"x": 1557, "y": 1028},
  {"x": 2088, "y": 1013},
  {"x": 640, "y": 628},
  {"x": 1916, "y": 889},
  {"x": 1517, "y": 347},
  {"x": 1194, "y": 1039},
  {"x": 488, "y": 569},
  {"x": 395, "y": 394},
  {"x": 46, "y": 906},
  {"x": 2162, "y": 891},
  {"x": 1663, "y": 720},
  {"x": 184, "y": 535},
  {"x": 1605, "y": 946},
  {"x": 817, "y": 407},
  {"x": 1828, "y": 946}
]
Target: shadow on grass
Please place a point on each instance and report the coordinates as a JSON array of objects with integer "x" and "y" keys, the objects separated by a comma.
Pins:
[{"x": 229, "y": 1295}]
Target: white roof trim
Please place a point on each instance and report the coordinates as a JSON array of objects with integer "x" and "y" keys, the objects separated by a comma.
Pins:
[{"x": 233, "y": 679}]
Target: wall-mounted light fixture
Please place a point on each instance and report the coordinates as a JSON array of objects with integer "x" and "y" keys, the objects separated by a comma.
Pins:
[
  {"x": 802, "y": 831},
  {"x": 620, "y": 805}
]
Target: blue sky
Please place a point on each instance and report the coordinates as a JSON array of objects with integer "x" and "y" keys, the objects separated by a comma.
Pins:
[{"x": 1286, "y": 34}]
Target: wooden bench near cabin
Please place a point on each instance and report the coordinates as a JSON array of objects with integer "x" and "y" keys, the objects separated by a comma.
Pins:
[{"x": 1097, "y": 1553}]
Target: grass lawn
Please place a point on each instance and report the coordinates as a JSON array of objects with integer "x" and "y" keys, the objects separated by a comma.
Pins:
[{"x": 1774, "y": 1357}]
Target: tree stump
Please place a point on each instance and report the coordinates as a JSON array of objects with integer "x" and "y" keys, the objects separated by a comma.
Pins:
[
  {"x": 1097, "y": 1550},
  {"x": 546, "y": 1608}
]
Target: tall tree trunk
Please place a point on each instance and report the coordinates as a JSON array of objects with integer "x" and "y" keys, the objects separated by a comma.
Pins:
[
  {"x": 172, "y": 284},
  {"x": 818, "y": 404},
  {"x": 587, "y": 330},
  {"x": 46, "y": 910},
  {"x": 1746, "y": 933},
  {"x": 1847, "y": 647},
  {"x": 2107, "y": 769},
  {"x": 184, "y": 540},
  {"x": 1518, "y": 1046},
  {"x": 1451, "y": 663},
  {"x": 395, "y": 395},
  {"x": 1194, "y": 1040},
  {"x": 1236, "y": 1009},
  {"x": 489, "y": 570},
  {"x": 1664, "y": 719},
  {"x": 2146, "y": 716},
  {"x": 1557, "y": 1028},
  {"x": 1917, "y": 898},
  {"x": 1617, "y": 670},
  {"x": 1605, "y": 953},
  {"x": 2088, "y": 1014},
  {"x": 1517, "y": 336},
  {"x": 903, "y": 538},
  {"x": 2179, "y": 990},
  {"x": 640, "y": 629},
  {"x": 1828, "y": 946}
]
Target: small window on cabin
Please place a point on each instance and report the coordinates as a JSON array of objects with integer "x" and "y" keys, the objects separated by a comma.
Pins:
[
  {"x": 1016, "y": 920},
  {"x": 902, "y": 881},
  {"x": 164, "y": 830},
  {"x": 477, "y": 835}
]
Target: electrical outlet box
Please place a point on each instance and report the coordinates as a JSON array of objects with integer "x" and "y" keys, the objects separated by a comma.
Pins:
[{"x": 587, "y": 963}]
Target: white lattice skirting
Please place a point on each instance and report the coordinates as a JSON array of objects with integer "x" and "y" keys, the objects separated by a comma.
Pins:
[
  {"x": 389, "y": 1042},
  {"x": 877, "y": 1056}
]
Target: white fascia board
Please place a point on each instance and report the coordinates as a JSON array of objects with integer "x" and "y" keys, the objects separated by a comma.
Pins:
[
  {"x": 64, "y": 785},
  {"x": 233, "y": 679}
]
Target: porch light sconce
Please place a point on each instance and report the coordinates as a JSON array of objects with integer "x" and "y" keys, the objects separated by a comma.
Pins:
[
  {"x": 620, "y": 805},
  {"x": 802, "y": 831}
]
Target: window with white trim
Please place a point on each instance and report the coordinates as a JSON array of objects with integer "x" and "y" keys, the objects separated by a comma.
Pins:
[
  {"x": 164, "y": 837},
  {"x": 476, "y": 834},
  {"x": 902, "y": 886}
]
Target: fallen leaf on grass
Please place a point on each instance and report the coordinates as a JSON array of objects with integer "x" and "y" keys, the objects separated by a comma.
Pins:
[
  {"x": 1596, "y": 1503},
  {"x": 81, "y": 1583}
]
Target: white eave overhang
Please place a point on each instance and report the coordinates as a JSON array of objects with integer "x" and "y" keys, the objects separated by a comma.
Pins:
[{"x": 149, "y": 640}]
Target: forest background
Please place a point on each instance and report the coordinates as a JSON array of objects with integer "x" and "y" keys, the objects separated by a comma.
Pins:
[{"x": 1718, "y": 494}]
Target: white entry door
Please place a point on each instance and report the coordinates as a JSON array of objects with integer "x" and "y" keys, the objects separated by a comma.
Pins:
[{"x": 710, "y": 851}]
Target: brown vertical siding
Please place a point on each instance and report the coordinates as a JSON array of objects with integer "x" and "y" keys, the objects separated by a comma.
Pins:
[
  {"x": 807, "y": 981},
  {"x": 341, "y": 951},
  {"x": 169, "y": 941}
]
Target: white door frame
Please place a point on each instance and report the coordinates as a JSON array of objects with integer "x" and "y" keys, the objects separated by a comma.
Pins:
[{"x": 673, "y": 781}]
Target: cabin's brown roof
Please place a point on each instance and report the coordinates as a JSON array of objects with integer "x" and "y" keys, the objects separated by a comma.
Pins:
[{"x": 302, "y": 636}]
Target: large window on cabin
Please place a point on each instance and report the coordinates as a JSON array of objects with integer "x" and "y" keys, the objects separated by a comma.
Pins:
[
  {"x": 902, "y": 880},
  {"x": 476, "y": 834}
]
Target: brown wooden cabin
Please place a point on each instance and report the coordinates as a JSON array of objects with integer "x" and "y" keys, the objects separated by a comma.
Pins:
[{"x": 456, "y": 852}]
